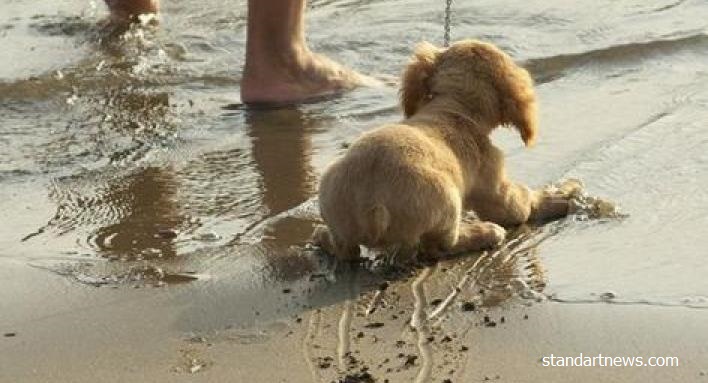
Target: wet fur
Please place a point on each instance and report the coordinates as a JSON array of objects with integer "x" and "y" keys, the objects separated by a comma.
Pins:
[{"x": 409, "y": 184}]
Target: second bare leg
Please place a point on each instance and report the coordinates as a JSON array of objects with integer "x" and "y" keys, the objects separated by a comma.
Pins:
[{"x": 280, "y": 68}]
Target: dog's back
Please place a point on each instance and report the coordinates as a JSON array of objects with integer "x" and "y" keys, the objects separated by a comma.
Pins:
[
  {"x": 404, "y": 184},
  {"x": 391, "y": 188}
]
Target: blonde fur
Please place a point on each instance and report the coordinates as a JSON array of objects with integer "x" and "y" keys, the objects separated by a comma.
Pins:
[{"x": 408, "y": 184}]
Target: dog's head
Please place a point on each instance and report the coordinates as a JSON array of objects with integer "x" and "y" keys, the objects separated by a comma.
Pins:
[{"x": 480, "y": 76}]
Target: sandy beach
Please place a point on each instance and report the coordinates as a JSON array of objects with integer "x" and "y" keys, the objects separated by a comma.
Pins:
[{"x": 171, "y": 335}]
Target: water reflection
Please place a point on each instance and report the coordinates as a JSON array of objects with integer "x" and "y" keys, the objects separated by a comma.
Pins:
[
  {"x": 282, "y": 151},
  {"x": 144, "y": 206},
  {"x": 151, "y": 220},
  {"x": 148, "y": 204}
]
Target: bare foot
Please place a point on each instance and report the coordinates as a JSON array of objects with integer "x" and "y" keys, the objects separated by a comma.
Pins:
[{"x": 307, "y": 76}]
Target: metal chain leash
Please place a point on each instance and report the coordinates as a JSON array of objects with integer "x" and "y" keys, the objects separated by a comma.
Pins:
[{"x": 448, "y": 11}]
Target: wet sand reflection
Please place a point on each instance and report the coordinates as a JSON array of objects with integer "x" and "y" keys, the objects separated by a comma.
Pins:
[
  {"x": 151, "y": 222},
  {"x": 282, "y": 152},
  {"x": 245, "y": 180}
]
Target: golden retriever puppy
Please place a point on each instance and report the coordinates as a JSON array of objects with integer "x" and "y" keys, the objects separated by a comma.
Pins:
[{"x": 409, "y": 184}]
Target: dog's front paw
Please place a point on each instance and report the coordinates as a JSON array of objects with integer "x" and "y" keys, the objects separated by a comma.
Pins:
[{"x": 567, "y": 189}]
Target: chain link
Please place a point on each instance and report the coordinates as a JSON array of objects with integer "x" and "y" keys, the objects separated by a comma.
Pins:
[{"x": 448, "y": 11}]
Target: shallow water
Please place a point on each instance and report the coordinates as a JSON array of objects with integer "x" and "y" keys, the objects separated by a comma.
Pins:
[{"x": 122, "y": 153}]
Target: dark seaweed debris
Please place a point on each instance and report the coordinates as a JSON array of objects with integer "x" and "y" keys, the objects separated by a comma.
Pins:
[{"x": 358, "y": 377}]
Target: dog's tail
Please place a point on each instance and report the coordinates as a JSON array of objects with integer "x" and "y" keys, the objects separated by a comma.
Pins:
[{"x": 379, "y": 220}]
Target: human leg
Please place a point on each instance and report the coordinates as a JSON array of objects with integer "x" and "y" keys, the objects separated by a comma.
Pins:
[{"x": 280, "y": 67}]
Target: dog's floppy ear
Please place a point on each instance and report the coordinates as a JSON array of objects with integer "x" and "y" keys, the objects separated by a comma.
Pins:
[
  {"x": 518, "y": 105},
  {"x": 415, "y": 85}
]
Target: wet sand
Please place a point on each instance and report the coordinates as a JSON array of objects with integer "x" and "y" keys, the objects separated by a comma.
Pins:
[
  {"x": 155, "y": 230},
  {"x": 89, "y": 335}
]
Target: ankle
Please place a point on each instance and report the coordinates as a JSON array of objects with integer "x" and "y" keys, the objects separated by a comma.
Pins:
[
  {"x": 294, "y": 75},
  {"x": 266, "y": 64}
]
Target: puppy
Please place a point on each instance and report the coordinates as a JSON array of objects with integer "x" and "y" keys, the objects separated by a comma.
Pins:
[{"x": 409, "y": 184}]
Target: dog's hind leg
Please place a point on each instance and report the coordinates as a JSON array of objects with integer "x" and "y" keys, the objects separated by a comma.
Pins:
[
  {"x": 445, "y": 236},
  {"x": 469, "y": 236},
  {"x": 478, "y": 236},
  {"x": 324, "y": 238}
]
